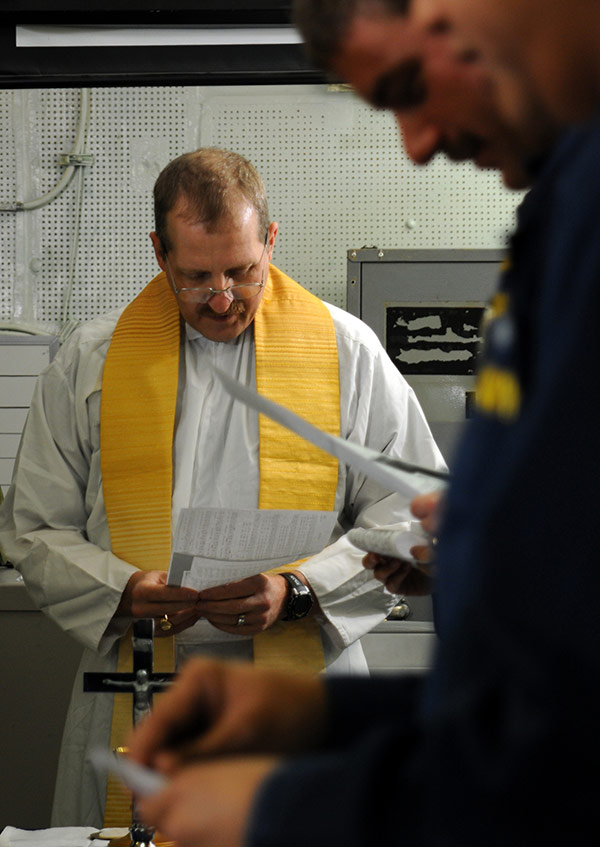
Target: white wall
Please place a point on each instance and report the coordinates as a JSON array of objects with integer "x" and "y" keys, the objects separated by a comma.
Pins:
[{"x": 335, "y": 173}]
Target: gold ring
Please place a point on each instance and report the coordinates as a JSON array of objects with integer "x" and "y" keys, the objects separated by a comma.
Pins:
[{"x": 165, "y": 624}]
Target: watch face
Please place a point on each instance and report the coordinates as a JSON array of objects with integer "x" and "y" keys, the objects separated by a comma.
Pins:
[{"x": 300, "y": 604}]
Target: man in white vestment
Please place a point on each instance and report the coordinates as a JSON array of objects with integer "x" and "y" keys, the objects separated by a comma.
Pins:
[{"x": 214, "y": 243}]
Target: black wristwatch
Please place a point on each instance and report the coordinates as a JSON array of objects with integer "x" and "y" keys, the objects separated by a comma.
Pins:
[{"x": 299, "y": 602}]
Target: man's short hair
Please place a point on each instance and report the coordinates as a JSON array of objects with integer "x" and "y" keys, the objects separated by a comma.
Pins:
[
  {"x": 209, "y": 182},
  {"x": 323, "y": 23}
]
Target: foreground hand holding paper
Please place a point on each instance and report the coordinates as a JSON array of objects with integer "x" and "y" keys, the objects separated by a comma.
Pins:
[{"x": 388, "y": 542}]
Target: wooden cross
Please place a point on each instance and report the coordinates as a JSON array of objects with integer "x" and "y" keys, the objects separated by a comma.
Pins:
[{"x": 142, "y": 683}]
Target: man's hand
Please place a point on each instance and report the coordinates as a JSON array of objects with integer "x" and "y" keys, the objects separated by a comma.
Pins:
[
  {"x": 147, "y": 595},
  {"x": 207, "y": 804},
  {"x": 225, "y": 707},
  {"x": 261, "y": 599},
  {"x": 398, "y": 576},
  {"x": 428, "y": 507}
]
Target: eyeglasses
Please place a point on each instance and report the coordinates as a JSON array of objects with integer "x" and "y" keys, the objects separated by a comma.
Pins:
[{"x": 249, "y": 284}]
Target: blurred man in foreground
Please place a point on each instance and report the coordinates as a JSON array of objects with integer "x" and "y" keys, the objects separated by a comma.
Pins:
[{"x": 497, "y": 745}]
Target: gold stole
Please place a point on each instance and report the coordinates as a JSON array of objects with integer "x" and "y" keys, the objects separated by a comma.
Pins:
[
  {"x": 296, "y": 365},
  {"x": 137, "y": 413}
]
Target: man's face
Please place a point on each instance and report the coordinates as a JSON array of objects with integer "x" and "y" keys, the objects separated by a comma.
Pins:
[
  {"x": 230, "y": 252},
  {"x": 441, "y": 103},
  {"x": 536, "y": 44}
]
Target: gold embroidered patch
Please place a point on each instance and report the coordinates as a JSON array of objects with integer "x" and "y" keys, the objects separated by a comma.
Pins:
[
  {"x": 498, "y": 393},
  {"x": 497, "y": 306}
]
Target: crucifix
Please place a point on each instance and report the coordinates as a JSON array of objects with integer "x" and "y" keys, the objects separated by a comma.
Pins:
[{"x": 142, "y": 683}]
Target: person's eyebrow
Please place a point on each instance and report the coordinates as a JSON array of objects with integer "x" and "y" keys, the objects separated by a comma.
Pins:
[
  {"x": 245, "y": 267},
  {"x": 401, "y": 88}
]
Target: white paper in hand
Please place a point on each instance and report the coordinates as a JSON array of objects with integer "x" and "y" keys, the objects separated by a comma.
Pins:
[
  {"x": 142, "y": 781},
  {"x": 388, "y": 542},
  {"x": 379, "y": 467}
]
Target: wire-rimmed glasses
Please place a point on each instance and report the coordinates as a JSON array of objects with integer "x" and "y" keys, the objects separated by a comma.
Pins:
[{"x": 244, "y": 285}]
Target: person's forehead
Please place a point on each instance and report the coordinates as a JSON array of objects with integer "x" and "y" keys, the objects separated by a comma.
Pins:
[
  {"x": 382, "y": 28},
  {"x": 478, "y": 23},
  {"x": 374, "y": 45},
  {"x": 239, "y": 221},
  {"x": 422, "y": 10},
  {"x": 395, "y": 64}
]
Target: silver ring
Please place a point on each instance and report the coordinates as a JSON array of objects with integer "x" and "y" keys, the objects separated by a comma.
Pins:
[{"x": 241, "y": 620}]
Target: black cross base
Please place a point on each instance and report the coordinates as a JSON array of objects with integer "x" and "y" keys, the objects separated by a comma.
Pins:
[{"x": 142, "y": 683}]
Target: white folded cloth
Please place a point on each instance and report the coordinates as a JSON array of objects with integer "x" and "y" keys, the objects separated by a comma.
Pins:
[{"x": 71, "y": 836}]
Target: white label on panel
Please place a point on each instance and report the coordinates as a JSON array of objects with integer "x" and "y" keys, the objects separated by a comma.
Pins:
[{"x": 150, "y": 36}]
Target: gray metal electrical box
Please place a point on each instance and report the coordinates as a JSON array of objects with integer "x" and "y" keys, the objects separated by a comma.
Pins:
[{"x": 426, "y": 307}]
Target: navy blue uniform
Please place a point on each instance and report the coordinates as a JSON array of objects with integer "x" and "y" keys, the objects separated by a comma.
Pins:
[{"x": 500, "y": 743}]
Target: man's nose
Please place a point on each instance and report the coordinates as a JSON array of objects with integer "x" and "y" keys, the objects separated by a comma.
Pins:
[
  {"x": 421, "y": 140},
  {"x": 220, "y": 301}
]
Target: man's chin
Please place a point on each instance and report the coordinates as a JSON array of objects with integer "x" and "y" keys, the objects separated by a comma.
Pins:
[
  {"x": 467, "y": 148},
  {"x": 516, "y": 178}
]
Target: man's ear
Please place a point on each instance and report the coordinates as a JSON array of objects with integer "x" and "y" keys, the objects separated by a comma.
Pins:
[
  {"x": 273, "y": 230},
  {"x": 158, "y": 251}
]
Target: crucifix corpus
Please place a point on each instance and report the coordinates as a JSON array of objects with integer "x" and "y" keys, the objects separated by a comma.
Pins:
[{"x": 142, "y": 683}]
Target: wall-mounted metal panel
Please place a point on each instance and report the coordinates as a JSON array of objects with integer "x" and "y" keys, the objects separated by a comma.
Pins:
[{"x": 426, "y": 307}]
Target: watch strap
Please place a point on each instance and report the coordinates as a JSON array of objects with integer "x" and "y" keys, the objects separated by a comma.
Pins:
[{"x": 298, "y": 589}]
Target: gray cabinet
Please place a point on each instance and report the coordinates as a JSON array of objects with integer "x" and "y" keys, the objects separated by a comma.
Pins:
[
  {"x": 37, "y": 667},
  {"x": 22, "y": 358}
]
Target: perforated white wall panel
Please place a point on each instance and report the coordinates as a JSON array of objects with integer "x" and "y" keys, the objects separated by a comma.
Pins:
[
  {"x": 8, "y": 178},
  {"x": 335, "y": 172}
]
